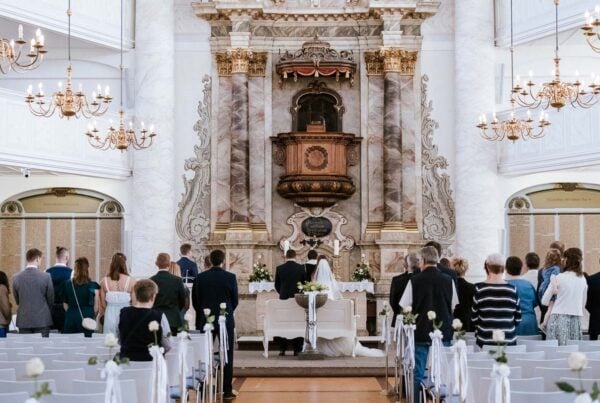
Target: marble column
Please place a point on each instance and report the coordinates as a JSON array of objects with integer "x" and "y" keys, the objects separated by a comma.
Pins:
[
  {"x": 392, "y": 138},
  {"x": 478, "y": 228},
  {"x": 153, "y": 179},
  {"x": 408, "y": 122}
]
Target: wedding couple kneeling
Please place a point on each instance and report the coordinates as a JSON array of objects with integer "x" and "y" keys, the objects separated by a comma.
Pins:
[{"x": 317, "y": 270}]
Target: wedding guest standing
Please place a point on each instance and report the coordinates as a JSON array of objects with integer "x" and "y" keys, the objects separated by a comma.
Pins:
[
  {"x": 465, "y": 292},
  {"x": 287, "y": 277},
  {"x": 593, "y": 305},
  {"x": 528, "y": 299},
  {"x": 5, "y": 305},
  {"x": 211, "y": 288},
  {"x": 134, "y": 334},
  {"x": 532, "y": 263},
  {"x": 171, "y": 296},
  {"x": 80, "y": 298},
  {"x": 60, "y": 274},
  {"x": 115, "y": 293},
  {"x": 551, "y": 268},
  {"x": 189, "y": 268},
  {"x": 570, "y": 290},
  {"x": 444, "y": 269},
  {"x": 399, "y": 283},
  {"x": 34, "y": 295},
  {"x": 495, "y": 304}
]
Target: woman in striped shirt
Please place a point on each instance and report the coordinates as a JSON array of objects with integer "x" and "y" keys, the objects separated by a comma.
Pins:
[{"x": 495, "y": 304}]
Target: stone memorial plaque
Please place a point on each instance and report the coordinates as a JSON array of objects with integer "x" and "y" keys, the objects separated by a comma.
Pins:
[{"x": 316, "y": 226}]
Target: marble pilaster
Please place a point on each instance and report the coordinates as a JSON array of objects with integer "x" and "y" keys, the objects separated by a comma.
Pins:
[
  {"x": 375, "y": 149},
  {"x": 409, "y": 177},
  {"x": 392, "y": 148},
  {"x": 154, "y": 168},
  {"x": 223, "y": 146},
  {"x": 240, "y": 158},
  {"x": 256, "y": 130},
  {"x": 477, "y": 226}
]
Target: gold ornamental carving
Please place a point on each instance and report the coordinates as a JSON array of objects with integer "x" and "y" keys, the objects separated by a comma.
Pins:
[
  {"x": 399, "y": 61},
  {"x": 374, "y": 63},
  {"x": 243, "y": 61}
]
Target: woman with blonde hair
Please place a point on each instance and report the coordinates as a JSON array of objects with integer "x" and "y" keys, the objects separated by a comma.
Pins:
[
  {"x": 465, "y": 291},
  {"x": 551, "y": 269},
  {"x": 115, "y": 292}
]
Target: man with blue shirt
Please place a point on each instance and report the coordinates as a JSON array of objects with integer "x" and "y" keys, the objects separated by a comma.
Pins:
[
  {"x": 189, "y": 268},
  {"x": 60, "y": 274}
]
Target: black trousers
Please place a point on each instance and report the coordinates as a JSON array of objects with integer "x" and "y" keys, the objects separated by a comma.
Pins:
[
  {"x": 228, "y": 370},
  {"x": 45, "y": 331},
  {"x": 283, "y": 343},
  {"x": 58, "y": 317}
]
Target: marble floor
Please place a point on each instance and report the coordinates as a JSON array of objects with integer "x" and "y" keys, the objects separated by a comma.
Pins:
[{"x": 311, "y": 390}]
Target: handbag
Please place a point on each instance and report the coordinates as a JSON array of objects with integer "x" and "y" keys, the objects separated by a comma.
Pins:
[{"x": 86, "y": 323}]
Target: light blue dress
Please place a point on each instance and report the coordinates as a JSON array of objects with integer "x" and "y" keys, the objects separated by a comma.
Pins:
[
  {"x": 527, "y": 301},
  {"x": 115, "y": 301}
]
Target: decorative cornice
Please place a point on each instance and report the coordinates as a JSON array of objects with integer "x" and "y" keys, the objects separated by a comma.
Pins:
[
  {"x": 243, "y": 61},
  {"x": 398, "y": 60}
]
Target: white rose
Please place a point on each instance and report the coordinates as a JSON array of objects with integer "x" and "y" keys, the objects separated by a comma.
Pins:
[
  {"x": 153, "y": 326},
  {"x": 583, "y": 398},
  {"x": 110, "y": 340},
  {"x": 206, "y": 312},
  {"x": 577, "y": 361},
  {"x": 34, "y": 367},
  {"x": 498, "y": 336},
  {"x": 456, "y": 324},
  {"x": 223, "y": 305},
  {"x": 407, "y": 309},
  {"x": 431, "y": 315}
]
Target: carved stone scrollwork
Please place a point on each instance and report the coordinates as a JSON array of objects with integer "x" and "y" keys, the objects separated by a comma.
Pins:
[
  {"x": 11, "y": 208},
  {"x": 399, "y": 61},
  {"x": 439, "y": 221},
  {"x": 193, "y": 216},
  {"x": 353, "y": 155},
  {"x": 279, "y": 155}
]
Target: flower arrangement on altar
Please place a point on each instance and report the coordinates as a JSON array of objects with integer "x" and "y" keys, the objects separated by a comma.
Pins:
[
  {"x": 309, "y": 286},
  {"x": 259, "y": 273},
  {"x": 34, "y": 369},
  {"x": 362, "y": 271},
  {"x": 578, "y": 362}
]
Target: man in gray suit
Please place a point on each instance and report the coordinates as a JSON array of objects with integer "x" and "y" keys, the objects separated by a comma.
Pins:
[{"x": 34, "y": 293}]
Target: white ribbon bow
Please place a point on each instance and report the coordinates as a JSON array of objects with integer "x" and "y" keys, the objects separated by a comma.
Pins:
[
  {"x": 500, "y": 386},
  {"x": 409, "y": 347},
  {"x": 159, "y": 380},
  {"x": 223, "y": 338},
  {"x": 435, "y": 356},
  {"x": 399, "y": 336},
  {"x": 209, "y": 348},
  {"x": 181, "y": 355},
  {"x": 461, "y": 374},
  {"x": 312, "y": 317},
  {"x": 111, "y": 371}
]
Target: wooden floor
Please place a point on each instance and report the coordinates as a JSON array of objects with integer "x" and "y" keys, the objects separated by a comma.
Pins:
[{"x": 311, "y": 390}]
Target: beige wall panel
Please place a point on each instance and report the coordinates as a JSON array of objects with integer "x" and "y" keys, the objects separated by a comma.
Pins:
[
  {"x": 35, "y": 235},
  {"x": 569, "y": 230},
  {"x": 60, "y": 235},
  {"x": 592, "y": 243},
  {"x": 544, "y": 233},
  {"x": 85, "y": 242},
  {"x": 10, "y": 248},
  {"x": 519, "y": 234},
  {"x": 110, "y": 242}
]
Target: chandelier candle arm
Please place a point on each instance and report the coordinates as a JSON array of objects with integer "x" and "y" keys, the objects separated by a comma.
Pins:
[
  {"x": 12, "y": 54},
  {"x": 591, "y": 29}
]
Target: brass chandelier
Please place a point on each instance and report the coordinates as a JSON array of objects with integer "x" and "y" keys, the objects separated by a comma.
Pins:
[
  {"x": 591, "y": 30},
  {"x": 121, "y": 138},
  {"x": 514, "y": 128},
  {"x": 557, "y": 93},
  {"x": 13, "y": 56},
  {"x": 68, "y": 102}
]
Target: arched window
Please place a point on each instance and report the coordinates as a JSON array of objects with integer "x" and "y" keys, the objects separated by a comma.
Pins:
[{"x": 317, "y": 103}]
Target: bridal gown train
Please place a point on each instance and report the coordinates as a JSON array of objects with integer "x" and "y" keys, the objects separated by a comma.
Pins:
[{"x": 340, "y": 346}]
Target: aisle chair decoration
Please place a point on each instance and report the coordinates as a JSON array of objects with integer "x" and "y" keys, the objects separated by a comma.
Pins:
[
  {"x": 208, "y": 391},
  {"x": 399, "y": 340},
  {"x": 408, "y": 360},
  {"x": 316, "y": 299},
  {"x": 500, "y": 386},
  {"x": 578, "y": 362},
  {"x": 112, "y": 370},
  {"x": 223, "y": 346},
  {"x": 385, "y": 339},
  {"x": 159, "y": 380},
  {"x": 435, "y": 360},
  {"x": 34, "y": 369},
  {"x": 182, "y": 351},
  {"x": 459, "y": 362}
]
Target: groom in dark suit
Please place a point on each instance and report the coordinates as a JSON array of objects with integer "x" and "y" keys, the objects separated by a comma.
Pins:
[
  {"x": 211, "y": 288},
  {"x": 287, "y": 277}
]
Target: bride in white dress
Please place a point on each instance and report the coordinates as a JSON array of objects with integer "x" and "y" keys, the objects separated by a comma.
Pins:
[{"x": 341, "y": 346}]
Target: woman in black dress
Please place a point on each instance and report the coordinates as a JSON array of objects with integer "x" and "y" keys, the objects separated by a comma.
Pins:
[
  {"x": 465, "y": 291},
  {"x": 80, "y": 298}
]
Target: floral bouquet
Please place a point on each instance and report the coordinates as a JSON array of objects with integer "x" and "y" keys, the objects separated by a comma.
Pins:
[
  {"x": 259, "y": 273},
  {"x": 362, "y": 271},
  {"x": 310, "y": 286},
  {"x": 408, "y": 317}
]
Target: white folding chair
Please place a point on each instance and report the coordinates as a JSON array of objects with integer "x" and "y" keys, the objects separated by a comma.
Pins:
[
  {"x": 533, "y": 355},
  {"x": 540, "y": 397},
  {"x": 3, "y": 356},
  {"x": 74, "y": 398},
  {"x": 142, "y": 382},
  {"x": 587, "y": 383},
  {"x": 8, "y": 374},
  {"x": 532, "y": 337},
  {"x": 24, "y": 386},
  {"x": 17, "y": 366},
  {"x": 13, "y": 397},
  {"x": 508, "y": 349},
  {"x": 586, "y": 343},
  {"x": 477, "y": 373},
  {"x": 11, "y": 352},
  {"x": 481, "y": 386},
  {"x": 529, "y": 343},
  {"x": 529, "y": 366},
  {"x": 550, "y": 375},
  {"x": 44, "y": 357},
  {"x": 549, "y": 350},
  {"x": 62, "y": 349},
  {"x": 588, "y": 347},
  {"x": 128, "y": 388},
  {"x": 65, "y": 364},
  {"x": 63, "y": 378}
]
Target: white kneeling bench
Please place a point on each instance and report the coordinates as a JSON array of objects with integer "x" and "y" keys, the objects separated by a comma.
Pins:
[{"x": 285, "y": 318}]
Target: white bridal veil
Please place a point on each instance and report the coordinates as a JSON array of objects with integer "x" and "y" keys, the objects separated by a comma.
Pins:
[{"x": 325, "y": 276}]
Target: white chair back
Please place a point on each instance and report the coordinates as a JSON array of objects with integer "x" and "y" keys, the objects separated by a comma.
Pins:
[
  {"x": 24, "y": 386},
  {"x": 481, "y": 387},
  {"x": 65, "y": 364},
  {"x": 74, "y": 398},
  {"x": 17, "y": 366},
  {"x": 540, "y": 397},
  {"x": 549, "y": 350},
  {"x": 11, "y": 352},
  {"x": 128, "y": 388},
  {"x": 550, "y": 375},
  {"x": 509, "y": 349},
  {"x": 530, "y": 365},
  {"x": 142, "y": 382},
  {"x": 533, "y": 355},
  {"x": 63, "y": 378},
  {"x": 529, "y": 343},
  {"x": 587, "y": 383},
  {"x": 477, "y": 373},
  {"x": 13, "y": 397},
  {"x": 8, "y": 374}
]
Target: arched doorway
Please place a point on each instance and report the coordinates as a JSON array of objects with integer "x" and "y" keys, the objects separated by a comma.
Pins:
[
  {"x": 569, "y": 212},
  {"x": 89, "y": 223}
]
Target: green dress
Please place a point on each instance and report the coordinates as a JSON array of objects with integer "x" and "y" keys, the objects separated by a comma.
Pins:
[{"x": 85, "y": 295}]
